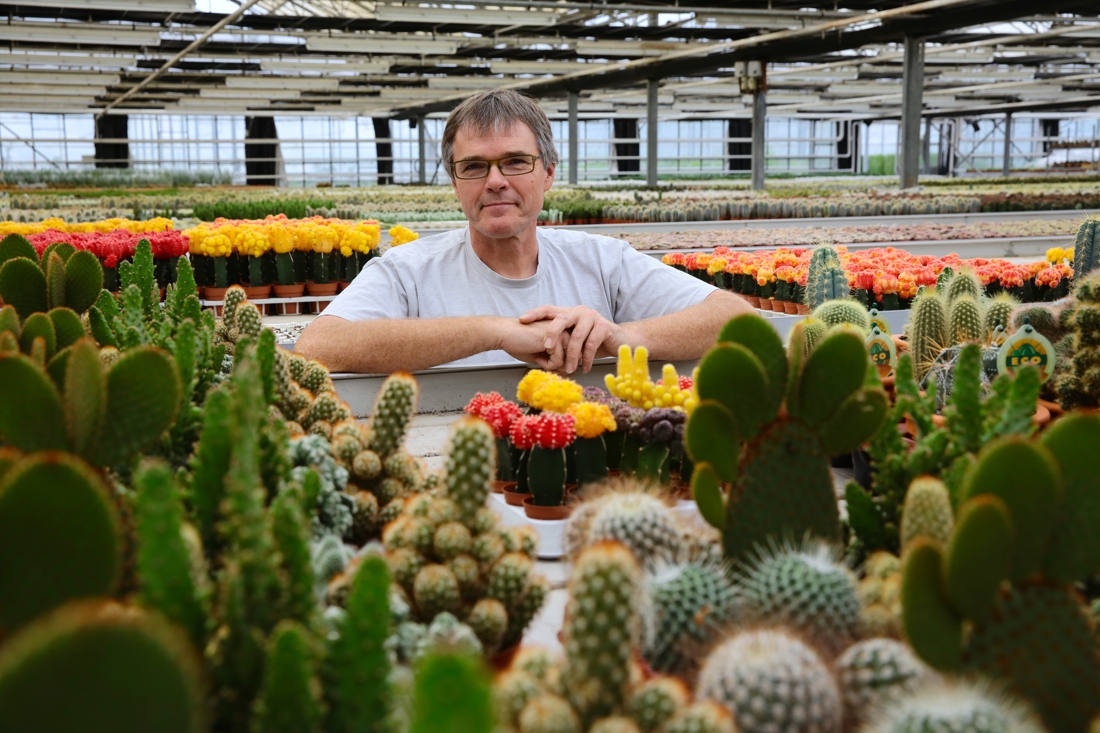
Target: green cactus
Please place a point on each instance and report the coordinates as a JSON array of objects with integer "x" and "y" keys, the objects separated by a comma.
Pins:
[
  {"x": 509, "y": 577},
  {"x": 873, "y": 671},
  {"x": 614, "y": 724},
  {"x": 471, "y": 465},
  {"x": 290, "y": 529},
  {"x": 548, "y": 714},
  {"x": 435, "y": 590},
  {"x": 843, "y": 311},
  {"x": 656, "y": 701},
  {"x": 393, "y": 411},
  {"x": 964, "y": 319},
  {"x": 691, "y": 602},
  {"x": 780, "y": 482},
  {"x": 33, "y": 286},
  {"x": 601, "y": 629},
  {"x": 210, "y": 464},
  {"x": 356, "y": 670},
  {"x": 1022, "y": 518},
  {"x": 815, "y": 331},
  {"x": 826, "y": 279},
  {"x": 489, "y": 620},
  {"x": 117, "y": 671},
  {"x": 964, "y": 282},
  {"x": 701, "y": 717},
  {"x": 512, "y": 690},
  {"x": 57, "y": 497},
  {"x": 453, "y": 693},
  {"x": 290, "y": 697},
  {"x": 234, "y": 296},
  {"x": 639, "y": 520},
  {"x": 1086, "y": 249},
  {"x": 164, "y": 561},
  {"x": 805, "y": 588},
  {"x": 953, "y": 705},
  {"x": 771, "y": 665},
  {"x": 1079, "y": 385},
  {"x": 927, "y": 512},
  {"x": 523, "y": 613},
  {"x": 927, "y": 331}
]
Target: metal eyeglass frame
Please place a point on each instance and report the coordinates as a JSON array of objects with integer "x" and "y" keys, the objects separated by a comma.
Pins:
[{"x": 454, "y": 170}]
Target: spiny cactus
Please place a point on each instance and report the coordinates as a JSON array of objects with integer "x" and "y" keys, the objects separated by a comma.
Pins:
[
  {"x": 964, "y": 319},
  {"x": 691, "y": 601},
  {"x": 290, "y": 698},
  {"x": 471, "y": 465},
  {"x": 780, "y": 482},
  {"x": 656, "y": 701},
  {"x": 770, "y": 665},
  {"x": 117, "y": 670},
  {"x": 548, "y": 714},
  {"x": 1041, "y": 318},
  {"x": 998, "y": 309},
  {"x": 964, "y": 282},
  {"x": 826, "y": 280},
  {"x": 927, "y": 331},
  {"x": 873, "y": 671},
  {"x": 54, "y": 497},
  {"x": 393, "y": 411},
  {"x": 701, "y": 717},
  {"x": 805, "y": 587},
  {"x": 601, "y": 629},
  {"x": 452, "y": 693},
  {"x": 927, "y": 512},
  {"x": 1079, "y": 386},
  {"x": 629, "y": 514},
  {"x": 1023, "y": 518},
  {"x": 843, "y": 311},
  {"x": 1086, "y": 249},
  {"x": 953, "y": 706}
]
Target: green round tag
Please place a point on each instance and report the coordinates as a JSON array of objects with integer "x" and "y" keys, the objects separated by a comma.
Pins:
[
  {"x": 1027, "y": 347},
  {"x": 881, "y": 349}
]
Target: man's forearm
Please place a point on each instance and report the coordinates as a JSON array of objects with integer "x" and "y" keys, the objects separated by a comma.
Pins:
[
  {"x": 689, "y": 333},
  {"x": 385, "y": 346}
]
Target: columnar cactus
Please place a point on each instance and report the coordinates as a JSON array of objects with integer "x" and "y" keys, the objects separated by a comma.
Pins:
[
  {"x": 601, "y": 629},
  {"x": 1086, "y": 250},
  {"x": 392, "y": 413},
  {"x": 843, "y": 311},
  {"x": 471, "y": 466},
  {"x": 290, "y": 698},
  {"x": 770, "y": 665},
  {"x": 1080, "y": 385},
  {"x": 964, "y": 282},
  {"x": 927, "y": 512},
  {"x": 998, "y": 309},
  {"x": 927, "y": 331},
  {"x": 777, "y": 466},
  {"x": 826, "y": 279},
  {"x": 964, "y": 320}
]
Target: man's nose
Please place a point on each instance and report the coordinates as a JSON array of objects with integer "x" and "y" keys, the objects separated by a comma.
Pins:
[{"x": 496, "y": 179}]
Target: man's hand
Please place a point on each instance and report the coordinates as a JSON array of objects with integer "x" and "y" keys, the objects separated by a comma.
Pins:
[
  {"x": 581, "y": 330},
  {"x": 527, "y": 342}
]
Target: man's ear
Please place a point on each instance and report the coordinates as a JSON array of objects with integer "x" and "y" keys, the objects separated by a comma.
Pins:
[{"x": 549, "y": 177}]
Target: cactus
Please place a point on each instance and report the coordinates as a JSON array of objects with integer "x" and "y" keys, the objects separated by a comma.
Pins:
[
  {"x": 843, "y": 311},
  {"x": 1042, "y": 319},
  {"x": 964, "y": 319},
  {"x": 290, "y": 698},
  {"x": 826, "y": 279},
  {"x": 927, "y": 512},
  {"x": 134, "y": 674},
  {"x": 1023, "y": 519},
  {"x": 998, "y": 309},
  {"x": 1079, "y": 386},
  {"x": 356, "y": 668},
  {"x": 964, "y": 282},
  {"x": 656, "y": 701},
  {"x": 805, "y": 588},
  {"x": 32, "y": 286},
  {"x": 701, "y": 717},
  {"x": 393, "y": 411},
  {"x": 471, "y": 465},
  {"x": 290, "y": 530},
  {"x": 639, "y": 520},
  {"x": 1086, "y": 249},
  {"x": 780, "y": 482},
  {"x": 814, "y": 332},
  {"x": 56, "y": 497},
  {"x": 873, "y": 671},
  {"x": 512, "y": 691},
  {"x": 452, "y": 693},
  {"x": 164, "y": 562},
  {"x": 955, "y": 706},
  {"x": 548, "y": 714},
  {"x": 771, "y": 665},
  {"x": 435, "y": 590},
  {"x": 927, "y": 331},
  {"x": 601, "y": 628},
  {"x": 690, "y": 601}
]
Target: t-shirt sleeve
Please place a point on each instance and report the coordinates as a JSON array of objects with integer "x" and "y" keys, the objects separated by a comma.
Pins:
[
  {"x": 649, "y": 288},
  {"x": 376, "y": 293}
]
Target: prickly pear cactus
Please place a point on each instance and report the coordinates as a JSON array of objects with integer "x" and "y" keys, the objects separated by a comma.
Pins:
[{"x": 776, "y": 466}]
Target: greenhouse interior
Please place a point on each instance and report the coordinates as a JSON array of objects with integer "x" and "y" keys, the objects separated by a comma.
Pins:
[{"x": 549, "y": 366}]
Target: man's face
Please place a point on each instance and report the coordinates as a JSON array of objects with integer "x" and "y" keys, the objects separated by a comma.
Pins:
[{"x": 501, "y": 206}]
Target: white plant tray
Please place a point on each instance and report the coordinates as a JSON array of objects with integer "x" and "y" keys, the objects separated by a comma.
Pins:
[{"x": 551, "y": 532}]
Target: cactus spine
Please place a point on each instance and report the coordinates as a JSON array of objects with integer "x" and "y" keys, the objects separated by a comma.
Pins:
[
  {"x": 927, "y": 331},
  {"x": 998, "y": 309},
  {"x": 1079, "y": 386},
  {"x": 843, "y": 311},
  {"x": 826, "y": 279},
  {"x": 927, "y": 512},
  {"x": 392, "y": 413},
  {"x": 964, "y": 320},
  {"x": 1086, "y": 249}
]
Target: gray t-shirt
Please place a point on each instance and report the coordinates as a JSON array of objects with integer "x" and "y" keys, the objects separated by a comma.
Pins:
[{"x": 441, "y": 276}]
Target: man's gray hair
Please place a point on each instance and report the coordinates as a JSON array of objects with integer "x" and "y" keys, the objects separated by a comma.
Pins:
[{"x": 495, "y": 111}]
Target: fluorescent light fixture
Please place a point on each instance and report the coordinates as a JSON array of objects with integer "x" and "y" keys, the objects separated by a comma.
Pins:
[
  {"x": 58, "y": 76},
  {"x": 156, "y": 6},
  {"x": 470, "y": 16},
  {"x": 467, "y": 82},
  {"x": 108, "y": 35},
  {"x": 356, "y": 67},
  {"x": 281, "y": 82},
  {"x": 42, "y": 59},
  {"x": 366, "y": 43}
]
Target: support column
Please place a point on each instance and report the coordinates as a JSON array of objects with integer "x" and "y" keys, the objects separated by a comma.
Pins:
[
  {"x": 652, "y": 88},
  {"x": 116, "y": 154},
  {"x": 422, "y": 176},
  {"x": 261, "y": 159},
  {"x": 912, "y": 91},
  {"x": 574, "y": 162},
  {"x": 383, "y": 150},
  {"x": 759, "y": 117},
  {"x": 1006, "y": 167}
]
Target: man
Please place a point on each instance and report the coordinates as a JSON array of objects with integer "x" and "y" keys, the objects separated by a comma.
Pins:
[{"x": 504, "y": 287}]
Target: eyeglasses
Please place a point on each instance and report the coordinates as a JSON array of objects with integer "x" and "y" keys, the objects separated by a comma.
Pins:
[{"x": 513, "y": 165}]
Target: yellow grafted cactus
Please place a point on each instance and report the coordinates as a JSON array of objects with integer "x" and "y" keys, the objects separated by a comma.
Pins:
[
  {"x": 591, "y": 419},
  {"x": 530, "y": 384},
  {"x": 633, "y": 384},
  {"x": 557, "y": 395}
]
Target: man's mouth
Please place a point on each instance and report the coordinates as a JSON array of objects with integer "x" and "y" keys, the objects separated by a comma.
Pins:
[{"x": 496, "y": 204}]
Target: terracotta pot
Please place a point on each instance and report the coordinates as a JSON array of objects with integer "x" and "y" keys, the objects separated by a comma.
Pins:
[
  {"x": 515, "y": 498},
  {"x": 321, "y": 288},
  {"x": 202, "y": 291},
  {"x": 765, "y": 304},
  {"x": 502, "y": 660},
  {"x": 546, "y": 512},
  {"x": 258, "y": 292},
  {"x": 1055, "y": 410},
  {"x": 342, "y": 286},
  {"x": 499, "y": 487},
  {"x": 216, "y": 294},
  {"x": 289, "y": 291},
  {"x": 790, "y": 308}
]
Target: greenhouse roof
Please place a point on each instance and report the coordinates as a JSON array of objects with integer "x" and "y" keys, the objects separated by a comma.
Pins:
[{"x": 344, "y": 57}]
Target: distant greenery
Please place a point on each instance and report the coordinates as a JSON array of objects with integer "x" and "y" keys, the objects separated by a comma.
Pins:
[
  {"x": 113, "y": 178},
  {"x": 293, "y": 208}
]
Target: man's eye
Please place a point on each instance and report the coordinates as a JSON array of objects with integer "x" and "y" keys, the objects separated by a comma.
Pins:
[
  {"x": 516, "y": 163},
  {"x": 473, "y": 167}
]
